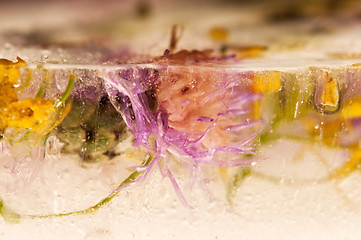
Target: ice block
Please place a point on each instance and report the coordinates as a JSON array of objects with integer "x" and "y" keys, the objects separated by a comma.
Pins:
[{"x": 248, "y": 125}]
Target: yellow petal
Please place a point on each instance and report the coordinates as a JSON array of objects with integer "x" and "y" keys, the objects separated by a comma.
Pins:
[
  {"x": 266, "y": 82},
  {"x": 352, "y": 109},
  {"x": 30, "y": 113},
  {"x": 8, "y": 63},
  {"x": 9, "y": 71}
]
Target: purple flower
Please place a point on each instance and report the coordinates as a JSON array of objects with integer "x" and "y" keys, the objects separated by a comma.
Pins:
[{"x": 200, "y": 141}]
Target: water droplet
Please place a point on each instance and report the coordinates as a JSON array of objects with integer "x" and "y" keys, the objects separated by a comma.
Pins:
[{"x": 45, "y": 54}]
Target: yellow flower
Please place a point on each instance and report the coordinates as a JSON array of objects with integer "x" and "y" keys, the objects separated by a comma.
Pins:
[
  {"x": 37, "y": 116},
  {"x": 34, "y": 114},
  {"x": 31, "y": 113}
]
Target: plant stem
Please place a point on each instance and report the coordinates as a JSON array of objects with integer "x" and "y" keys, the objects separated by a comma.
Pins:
[
  {"x": 130, "y": 179},
  {"x": 67, "y": 91}
]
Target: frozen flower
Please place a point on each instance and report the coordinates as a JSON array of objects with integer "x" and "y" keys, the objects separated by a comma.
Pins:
[{"x": 197, "y": 115}]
